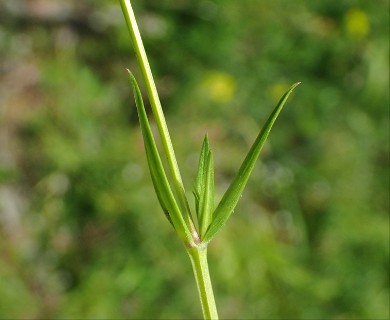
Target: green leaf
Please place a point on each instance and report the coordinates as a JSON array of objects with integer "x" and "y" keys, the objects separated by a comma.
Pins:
[
  {"x": 233, "y": 193},
  {"x": 207, "y": 198},
  {"x": 201, "y": 174},
  {"x": 159, "y": 178}
]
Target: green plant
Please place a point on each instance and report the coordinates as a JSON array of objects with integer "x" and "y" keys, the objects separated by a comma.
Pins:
[{"x": 196, "y": 231}]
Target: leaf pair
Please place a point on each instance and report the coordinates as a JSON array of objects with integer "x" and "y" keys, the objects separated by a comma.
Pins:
[
  {"x": 210, "y": 221},
  {"x": 204, "y": 188}
]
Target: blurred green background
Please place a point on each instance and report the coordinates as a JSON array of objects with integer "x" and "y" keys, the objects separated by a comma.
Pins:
[{"x": 81, "y": 232}]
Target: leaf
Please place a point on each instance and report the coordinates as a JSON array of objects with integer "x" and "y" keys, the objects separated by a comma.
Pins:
[
  {"x": 159, "y": 178},
  {"x": 233, "y": 193},
  {"x": 207, "y": 199},
  {"x": 201, "y": 174}
]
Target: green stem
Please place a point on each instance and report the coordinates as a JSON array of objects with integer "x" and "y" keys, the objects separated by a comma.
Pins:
[
  {"x": 198, "y": 256},
  {"x": 156, "y": 107}
]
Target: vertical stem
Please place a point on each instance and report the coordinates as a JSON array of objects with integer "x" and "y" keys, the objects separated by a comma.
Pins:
[
  {"x": 156, "y": 107},
  {"x": 198, "y": 257}
]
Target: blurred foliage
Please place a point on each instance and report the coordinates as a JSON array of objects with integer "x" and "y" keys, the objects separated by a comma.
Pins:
[{"x": 81, "y": 232}]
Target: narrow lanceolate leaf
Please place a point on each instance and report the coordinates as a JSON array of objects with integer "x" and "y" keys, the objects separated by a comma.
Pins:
[
  {"x": 159, "y": 178},
  {"x": 233, "y": 193},
  {"x": 201, "y": 174},
  {"x": 206, "y": 205},
  {"x": 156, "y": 108}
]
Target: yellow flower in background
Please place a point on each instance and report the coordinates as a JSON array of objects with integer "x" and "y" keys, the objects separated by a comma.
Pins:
[
  {"x": 218, "y": 86},
  {"x": 357, "y": 23}
]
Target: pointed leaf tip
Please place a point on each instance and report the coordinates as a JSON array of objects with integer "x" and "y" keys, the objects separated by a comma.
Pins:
[{"x": 233, "y": 193}]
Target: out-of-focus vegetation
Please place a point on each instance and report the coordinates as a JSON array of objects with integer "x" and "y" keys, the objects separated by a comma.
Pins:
[{"x": 310, "y": 237}]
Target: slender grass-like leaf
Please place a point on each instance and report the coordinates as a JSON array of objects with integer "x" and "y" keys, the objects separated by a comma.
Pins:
[
  {"x": 207, "y": 199},
  {"x": 158, "y": 113},
  {"x": 159, "y": 178},
  {"x": 201, "y": 174},
  {"x": 233, "y": 193}
]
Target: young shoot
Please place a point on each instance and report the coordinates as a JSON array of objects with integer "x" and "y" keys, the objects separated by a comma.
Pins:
[{"x": 196, "y": 235}]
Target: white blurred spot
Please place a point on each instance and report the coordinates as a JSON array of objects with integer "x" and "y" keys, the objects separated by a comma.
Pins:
[{"x": 132, "y": 172}]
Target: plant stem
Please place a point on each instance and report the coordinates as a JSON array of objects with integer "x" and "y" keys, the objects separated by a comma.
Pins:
[
  {"x": 156, "y": 107},
  {"x": 198, "y": 256}
]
